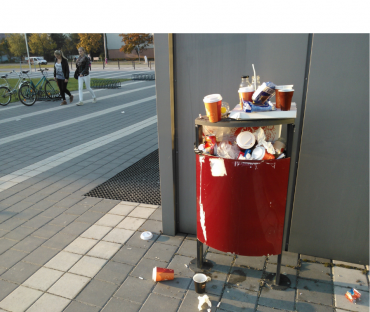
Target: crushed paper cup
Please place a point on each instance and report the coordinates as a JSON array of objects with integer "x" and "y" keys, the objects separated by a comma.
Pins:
[
  {"x": 162, "y": 274},
  {"x": 146, "y": 235}
]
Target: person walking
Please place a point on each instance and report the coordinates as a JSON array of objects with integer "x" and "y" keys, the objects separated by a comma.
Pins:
[
  {"x": 82, "y": 65},
  {"x": 61, "y": 75},
  {"x": 89, "y": 57}
]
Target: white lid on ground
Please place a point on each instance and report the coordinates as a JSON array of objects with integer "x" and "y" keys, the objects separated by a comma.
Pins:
[{"x": 146, "y": 235}]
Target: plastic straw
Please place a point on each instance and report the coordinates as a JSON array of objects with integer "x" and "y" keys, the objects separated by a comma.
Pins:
[{"x": 255, "y": 78}]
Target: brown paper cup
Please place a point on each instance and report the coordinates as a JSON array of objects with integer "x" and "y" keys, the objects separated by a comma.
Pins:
[
  {"x": 284, "y": 97},
  {"x": 213, "y": 111}
]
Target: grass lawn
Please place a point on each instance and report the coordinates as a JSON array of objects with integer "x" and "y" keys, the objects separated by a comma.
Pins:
[{"x": 72, "y": 84}]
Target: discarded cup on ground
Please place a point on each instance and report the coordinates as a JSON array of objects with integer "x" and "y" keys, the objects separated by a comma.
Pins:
[
  {"x": 200, "y": 281},
  {"x": 277, "y": 88},
  {"x": 245, "y": 93},
  {"x": 163, "y": 274},
  {"x": 245, "y": 140},
  {"x": 259, "y": 153},
  {"x": 284, "y": 97},
  {"x": 213, "y": 104},
  {"x": 146, "y": 235}
]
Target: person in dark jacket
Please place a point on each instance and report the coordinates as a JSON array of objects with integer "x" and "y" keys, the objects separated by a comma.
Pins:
[
  {"x": 61, "y": 75},
  {"x": 82, "y": 65}
]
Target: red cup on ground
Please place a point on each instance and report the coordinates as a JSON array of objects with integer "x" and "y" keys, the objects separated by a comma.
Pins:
[
  {"x": 245, "y": 93},
  {"x": 284, "y": 96},
  {"x": 277, "y": 88},
  {"x": 163, "y": 274},
  {"x": 213, "y": 103}
]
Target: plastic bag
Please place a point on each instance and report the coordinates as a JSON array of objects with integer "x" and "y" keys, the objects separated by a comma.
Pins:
[
  {"x": 225, "y": 149},
  {"x": 261, "y": 139}
]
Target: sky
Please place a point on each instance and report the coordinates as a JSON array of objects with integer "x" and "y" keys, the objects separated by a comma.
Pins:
[{"x": 205, "y": 16}]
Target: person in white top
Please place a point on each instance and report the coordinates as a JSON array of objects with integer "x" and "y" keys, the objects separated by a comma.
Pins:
[{"x": 82, "y": 65}]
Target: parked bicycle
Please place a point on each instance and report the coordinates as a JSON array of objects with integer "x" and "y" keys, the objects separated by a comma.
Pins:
[
  {"x": 45, "y": 87},
  {"x": 25, "y": 94}
]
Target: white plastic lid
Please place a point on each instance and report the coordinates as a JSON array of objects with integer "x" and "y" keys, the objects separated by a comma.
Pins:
[
  {"x": 284, "y": 87},
  {"x": 245, "y": 140},
  {"x": 146, "y": 235},
  {"x": 212, "y": 98},
  {"x": 286, "y": 90},
  {"x": 246, "y": 89},
  {"x": 258, "y": 153},
  {"x": 154, "y": 274}
]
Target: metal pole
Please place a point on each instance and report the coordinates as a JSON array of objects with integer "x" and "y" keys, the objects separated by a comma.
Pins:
[
  {"x": 118, "y": 65},
  {"x": 34, "y": 65},
  {"x": 150, "y": 65},
  {"x": 277, "y": 281},
  {"x": 28, "y": 53},
  {"x": 105, "y": 47},
  {"x": 199, "y": 254}
]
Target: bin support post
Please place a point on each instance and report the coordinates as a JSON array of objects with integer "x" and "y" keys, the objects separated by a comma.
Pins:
[
  {"x": 199, "y": 254},
  {"x": 277, "y": 280}
]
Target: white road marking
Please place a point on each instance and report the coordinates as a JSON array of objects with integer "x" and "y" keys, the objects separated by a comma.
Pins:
[
  {"x": 68, "y": 122},
  {"x": 68, "y": 106},
  {"x": 41, "y": 166}
]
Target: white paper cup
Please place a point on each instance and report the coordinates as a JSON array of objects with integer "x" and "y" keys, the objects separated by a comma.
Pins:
[
  {"x": 258, "y": 153},
  {"x": 245, "y": 140}
]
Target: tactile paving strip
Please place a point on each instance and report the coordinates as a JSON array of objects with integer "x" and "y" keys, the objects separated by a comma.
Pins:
[{"x": 138, "y": 183}]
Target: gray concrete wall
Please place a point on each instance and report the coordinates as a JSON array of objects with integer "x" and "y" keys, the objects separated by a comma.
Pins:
[{"x": 331, "y": 208}]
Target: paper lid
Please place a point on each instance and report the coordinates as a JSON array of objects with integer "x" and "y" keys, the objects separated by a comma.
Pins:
[
  {"x": 146, "y": 235},
  {"x": 212, "y": 98},
  {"x": 246, "y": 89},
  {"x": 245, "y": 140},
  {"x": 284, "y": 87}
]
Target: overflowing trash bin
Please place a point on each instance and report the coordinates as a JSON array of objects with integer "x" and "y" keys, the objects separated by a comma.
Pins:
[{"x": 242, "y": 173}]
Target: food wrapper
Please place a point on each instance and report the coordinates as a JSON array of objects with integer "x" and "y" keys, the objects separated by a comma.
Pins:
[
  {"x": 353, "y": 295},
  {"x": 263, "y": 93},
  {"x": 261, "y": 139},
  {"x": 202, "y": 300},
  {"x": 249, "y": 107},
  {"x": 210, "y": 142}
]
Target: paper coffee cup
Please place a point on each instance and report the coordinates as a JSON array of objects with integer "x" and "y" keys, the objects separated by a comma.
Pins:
[
  {"x": 162, "y": 274},
  {"x": 213, "y": 104},
  {"x": 200, "y": 281},
  {"x": 245, "y": 93},
  {"x": 284, "y": 97},
  {"x": 245, "y": 140},
  {"x": 277, "y": 88},
  {"x": 258, "y": 153}
]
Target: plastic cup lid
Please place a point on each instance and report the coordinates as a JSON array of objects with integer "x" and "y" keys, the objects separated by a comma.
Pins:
[
  {"x": 246, "y": 89},
  {"x": 146, "y": 235},
  {"x": 258, "y": 153},
  {"x": 212, "y": 98},
  {"x": 245, "y": 139},
  {"x": 284, "y": 87},
  {"x": 286, "y": 90}
]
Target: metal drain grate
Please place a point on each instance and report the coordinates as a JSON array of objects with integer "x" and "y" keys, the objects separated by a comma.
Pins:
[{"x": 138, "y": 183}]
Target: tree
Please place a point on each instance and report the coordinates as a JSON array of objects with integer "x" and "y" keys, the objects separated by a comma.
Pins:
[
  {"x": 90, "y": 42},
  {"x": 41, "y": 44},
  {"x": 137, "y": 42},
  {"x": 5, "y": 49},
  {"x": 59, "y": 40},
  {"x": 17, "y": 44}
]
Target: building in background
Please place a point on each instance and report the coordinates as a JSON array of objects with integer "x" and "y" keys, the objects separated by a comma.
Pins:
[{"x": 114, "y": 43}]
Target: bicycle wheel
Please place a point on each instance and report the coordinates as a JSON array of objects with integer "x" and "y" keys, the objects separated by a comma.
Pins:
[
  {"x": 5, "y": 96},
  {"x": 51, "y": 89},
  {"x": 27, "y": 94}
]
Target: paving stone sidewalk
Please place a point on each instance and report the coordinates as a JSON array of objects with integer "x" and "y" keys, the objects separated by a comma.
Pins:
[{"x": 91, "y": 258}]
